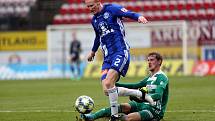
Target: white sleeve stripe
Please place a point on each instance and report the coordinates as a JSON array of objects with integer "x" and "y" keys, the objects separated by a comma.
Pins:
[
  {"x": 150, "y": 114},
  {"x": 123, "y": 64},
  {"x": 124, "y": 60}
]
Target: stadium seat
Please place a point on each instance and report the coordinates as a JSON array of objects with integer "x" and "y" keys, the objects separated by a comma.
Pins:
[
  {"x": 207, "y": 4},
  {"x": 198, "y": 4},
  {"x": 74, "y": 19},
  {"x": 133, "y": 6},
  {"x": 32, "y": 2},
  {"x": 82, "y": 18},
  {"x": 172, "y": 5},
  {"x": 192, "y": 14},
  {"x": 155, "y": 5},
  {"x": 166, "y": 15},
  {"x": 81, "y": 8},
  {"x": 74, "y": 1},
  {"x": 19, "y": 8},
  {"x": 130, "y": 6},
  {"x": 210, "y": 13},
  {"x": 189, "y": 5},
  {"x": 66, "y": 19},
  {"x": 73, "y": 8},
  {"x": 174, "y": 15},
  {"x": 64, "y": 9},
  {"x": 9, "y": 10},
  {"x": 157, "y": 15},
  {"x": 139, "y": 5},
  {"x": 70, "y": 1},
  {"x": 25, "y": 11},
  {"x": 3, "y": 11},
  {"x": 58, "y": 19},
  {"x": 147, "y": 6},
  {"x": 149, "y": 15},
  {"x": 201, "y": 13},
  {"x": 181, "y": 4},
  {"x": 213, "y": 4},
  {"x": 164, "y": 5},
  {"x": 183, "y": 14}
]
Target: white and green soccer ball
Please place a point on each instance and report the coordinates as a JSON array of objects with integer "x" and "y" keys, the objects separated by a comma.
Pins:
[{"x": 84, "y": 104}]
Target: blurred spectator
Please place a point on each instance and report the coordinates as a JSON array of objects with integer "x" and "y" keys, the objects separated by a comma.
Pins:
[{"x": 75, "y": 50}]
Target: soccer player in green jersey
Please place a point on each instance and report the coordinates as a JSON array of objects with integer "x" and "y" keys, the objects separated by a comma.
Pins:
[{"x": 154, "y": 86}]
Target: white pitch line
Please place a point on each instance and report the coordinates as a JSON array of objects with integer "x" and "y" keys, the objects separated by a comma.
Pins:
[
  {"x": 32, "y": 111},
  {"x": 196, "y": 111},
  {"x": 68, "y": 111}
]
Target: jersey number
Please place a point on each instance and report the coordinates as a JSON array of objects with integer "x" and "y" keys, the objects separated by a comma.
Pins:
[{"x": 117, "y": 62}]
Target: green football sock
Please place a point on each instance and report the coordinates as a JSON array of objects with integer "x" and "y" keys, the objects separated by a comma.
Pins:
[{"x": 105, "y": 112}]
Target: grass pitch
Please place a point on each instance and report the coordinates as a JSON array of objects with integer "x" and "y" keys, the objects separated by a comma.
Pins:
[{"x": 191, "y": 99}]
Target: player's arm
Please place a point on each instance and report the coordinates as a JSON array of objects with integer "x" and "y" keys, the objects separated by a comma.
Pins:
[
  {"x": 95, "y": 47},
  {"x": 140, "y": 84},
  {"x": 123, "y": 12}
]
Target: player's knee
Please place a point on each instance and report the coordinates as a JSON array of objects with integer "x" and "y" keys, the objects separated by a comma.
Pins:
[
  {"x": 108, "y": 84},
  {"x": 105, "y": 89},
  {"x": 128, "y": 118},
  {"x": 126, "y": 108},
  {"x": 133, "y": 117}
]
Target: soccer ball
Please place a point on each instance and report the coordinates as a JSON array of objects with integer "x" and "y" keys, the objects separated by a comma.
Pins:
[{"x": 84, "y": 104}]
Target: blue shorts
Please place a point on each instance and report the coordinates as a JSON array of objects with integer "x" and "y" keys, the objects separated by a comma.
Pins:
[{"x": 118, "y": 61}]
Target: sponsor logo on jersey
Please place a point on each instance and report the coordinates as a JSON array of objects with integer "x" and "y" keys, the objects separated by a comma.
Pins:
[
  {"x": 150, "y": 87},
  {"x": 161, "y": 83},
  {"x": 124, "y": 10},
  {"x": 104, "y": 29},
  {"x": 106, "y": 15}
]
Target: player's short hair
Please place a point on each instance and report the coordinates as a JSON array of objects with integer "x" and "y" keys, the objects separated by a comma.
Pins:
[
  {"x": 157, "y": 56},
  {"x": 94, "y": 0},
  {"x": 97, "y": 0}
]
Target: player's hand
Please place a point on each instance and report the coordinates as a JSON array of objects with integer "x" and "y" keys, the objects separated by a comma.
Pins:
[
  {"x": 142, "y": 19},
  {"x": 144, "y": 92},
  {"x": 144, "y": 89},
  {"x": 90, "y": 56}
]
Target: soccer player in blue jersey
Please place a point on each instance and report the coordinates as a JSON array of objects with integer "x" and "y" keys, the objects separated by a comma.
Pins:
[{"x": 110, "y": 35}]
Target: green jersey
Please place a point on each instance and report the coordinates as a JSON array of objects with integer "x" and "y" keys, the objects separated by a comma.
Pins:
[{"x": 158, "y": 88}]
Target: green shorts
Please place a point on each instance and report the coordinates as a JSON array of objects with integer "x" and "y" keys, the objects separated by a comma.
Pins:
[{"x": 145, "y": 110}]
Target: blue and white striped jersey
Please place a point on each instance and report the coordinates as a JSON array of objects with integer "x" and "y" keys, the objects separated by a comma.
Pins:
[{"x": 109, "y": 29}]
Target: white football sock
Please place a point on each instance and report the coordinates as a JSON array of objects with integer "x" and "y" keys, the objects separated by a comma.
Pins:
[
  {"x": 134, "y": 92},
  {"x": 113, "y": 98},
  {"x": 129, "y": 92}
]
